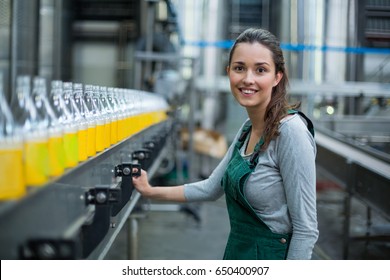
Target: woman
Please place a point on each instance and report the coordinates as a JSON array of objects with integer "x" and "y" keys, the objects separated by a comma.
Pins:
[{"x": 268, "y": 173}]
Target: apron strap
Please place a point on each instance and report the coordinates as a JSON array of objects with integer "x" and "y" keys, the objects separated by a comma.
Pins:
[
  {"x": 309, "y": 123},
  {"x": 254, "y": 158},
  {"x": 244, "y": 133}
]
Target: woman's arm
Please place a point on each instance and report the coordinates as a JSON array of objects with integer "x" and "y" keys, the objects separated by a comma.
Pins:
[
  {"x": 172, "y": 193},
  {"x": 205, "y": 190},
  {"x": 296, "y": 153}
]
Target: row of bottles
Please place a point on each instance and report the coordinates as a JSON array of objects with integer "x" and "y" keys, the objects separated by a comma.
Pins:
[{"x": 45, "y": 132}]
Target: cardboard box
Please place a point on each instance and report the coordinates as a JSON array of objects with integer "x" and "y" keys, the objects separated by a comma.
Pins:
[{"x": 206, "y": 142}]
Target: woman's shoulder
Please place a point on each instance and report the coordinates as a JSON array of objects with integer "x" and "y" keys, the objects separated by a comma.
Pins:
[
  {"x": 293, "y": 123},
  {"x": 294, "y": 135}
]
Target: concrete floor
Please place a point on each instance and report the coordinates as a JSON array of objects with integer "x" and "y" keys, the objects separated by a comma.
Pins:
[{"x": 176, "y": 235}]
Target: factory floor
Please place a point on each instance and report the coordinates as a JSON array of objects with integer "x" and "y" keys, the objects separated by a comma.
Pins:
[{"x": 179, "y": 235}]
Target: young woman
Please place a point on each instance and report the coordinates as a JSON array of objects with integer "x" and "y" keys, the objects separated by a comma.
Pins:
[{"x": 268, "y": 173}]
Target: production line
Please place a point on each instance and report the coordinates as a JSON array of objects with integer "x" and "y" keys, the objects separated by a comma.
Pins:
[
  {"x": 77, "y": 215},
  {"x": 93, "y": 91}
]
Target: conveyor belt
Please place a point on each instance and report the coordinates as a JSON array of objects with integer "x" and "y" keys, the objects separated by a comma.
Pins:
[
  {"x": 56, "y": 221},
  {"x": 102, "y": 249}
]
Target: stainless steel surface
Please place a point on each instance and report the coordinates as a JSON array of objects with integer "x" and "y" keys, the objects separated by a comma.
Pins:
[
  {"x": 363, "y": 176},
  {"x": 353, "y": 155},
  {"x": 357, "y": 126}
]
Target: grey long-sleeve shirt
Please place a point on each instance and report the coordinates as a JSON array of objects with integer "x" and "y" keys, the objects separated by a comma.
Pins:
[{"x": 281, "y": 189}]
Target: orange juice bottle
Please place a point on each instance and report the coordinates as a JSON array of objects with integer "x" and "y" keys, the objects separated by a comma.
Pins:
[
  {"x": 121, "y": 119},
  {"x": 91, "y": 114},
  {"x": 129, "y": 107},
  {"x": 91, "y": 140},
  {"x": 112, "y": 111},
  {"x": 100, "y": 136},
  {"x": 82, "y": 143},
  {"x": 81, "y": 115},
  {"x": 107, "y": 133},
  {"x": 30, "y": 112},
  {"x": 12, "y": 183},
  {"x": 56, "y": 153},
  {"x": 36, "y": 159},
  {"x": 49, "y": 122},
  {"x": 75, "y": 125},
  {"x": 63, "y": 148},
  {"x": 136, "y": 122},
  {"x": 114, "y": 130},
  {"x": 71, "y": 146},
  {"x": 105, "y": 113},
  {"x": 101, "y": 139},
  {"x": 119, "y": 112}
]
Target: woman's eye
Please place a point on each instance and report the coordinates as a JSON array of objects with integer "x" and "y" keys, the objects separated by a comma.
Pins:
[
  {"x": 261, "y": 70},
  {"x": 239, "y": 68}
]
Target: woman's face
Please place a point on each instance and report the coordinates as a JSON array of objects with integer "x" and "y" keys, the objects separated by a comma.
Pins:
[{"x": 252, "y": 75}]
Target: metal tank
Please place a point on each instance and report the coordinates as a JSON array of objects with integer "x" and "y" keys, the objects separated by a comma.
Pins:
[
  {"x": 214, "y": 30},
  {"x": 34, "y": 40},
  {"x": 5, "y": 23},
  {"x": 54, "y": 39},
  {"x": 309, "y": 25},
  {"x": 18, "y": 29}
]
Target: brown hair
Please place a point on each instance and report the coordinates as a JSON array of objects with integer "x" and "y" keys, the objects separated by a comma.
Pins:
[{"x": 278, "y": 105}]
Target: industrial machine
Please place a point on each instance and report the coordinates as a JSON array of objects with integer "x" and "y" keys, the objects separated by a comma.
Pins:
[{"x": 78, "y": 214}]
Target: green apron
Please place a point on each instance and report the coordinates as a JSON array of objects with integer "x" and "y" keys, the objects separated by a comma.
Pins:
[{"x": 250, "y": 238}]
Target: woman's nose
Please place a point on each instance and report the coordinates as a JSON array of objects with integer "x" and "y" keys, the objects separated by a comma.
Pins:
[{"x": 249, "y": 77}]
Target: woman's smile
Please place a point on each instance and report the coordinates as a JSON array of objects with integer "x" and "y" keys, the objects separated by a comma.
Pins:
[{"x": 248, "y": 91}]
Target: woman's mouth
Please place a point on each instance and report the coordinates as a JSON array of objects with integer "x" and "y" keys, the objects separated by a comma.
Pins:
[{"x": 248, "y": 92}]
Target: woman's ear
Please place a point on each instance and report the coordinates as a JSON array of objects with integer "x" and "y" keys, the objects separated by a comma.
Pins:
[
  {"x": 227, "y": 69},
  {"x": 278, "y": 77}
]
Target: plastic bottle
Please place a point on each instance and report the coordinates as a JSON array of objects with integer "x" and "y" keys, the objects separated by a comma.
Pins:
[
  {"x": 92, "y": 116},
  {"x": 122, "y": 125},
  {"x": 100, "y": 120},
  {"x": 71, "y": 143},
  {"x": 83, "y": 124},
  {"x": 64, "y": 117},
  {"x": 119, "y": 112},
  {"x": 33, "y": 129},
  {"x": 130, "y": 123},
  {"x": 56, "y": 164},
  {"x": 112, "y": 108},
  {"x": 106, "y": 114},
  {"x": 139, "y": 116},
  {"x": 12, "y": 183}
]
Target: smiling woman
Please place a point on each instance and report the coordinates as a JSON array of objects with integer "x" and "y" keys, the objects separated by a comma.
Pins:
[
  {"x": 252, "y": 71},
  {"x": 252, "y": 76},
  {"x": 268, "y": 172},
  {"x": 257, "y": 59}
]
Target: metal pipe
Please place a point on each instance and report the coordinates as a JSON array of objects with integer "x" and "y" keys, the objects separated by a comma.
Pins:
[
  {"x": 13, "y": 45},
  {"x": 132, "y": 238}
]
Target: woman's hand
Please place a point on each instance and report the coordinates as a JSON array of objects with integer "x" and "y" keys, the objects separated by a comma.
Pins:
[
  {"x": 172, "y": 193},
  {"x": 141, "y": 184}
]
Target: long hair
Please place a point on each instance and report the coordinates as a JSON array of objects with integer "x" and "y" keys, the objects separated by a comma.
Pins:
[{"x": 278, "y": 105}]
